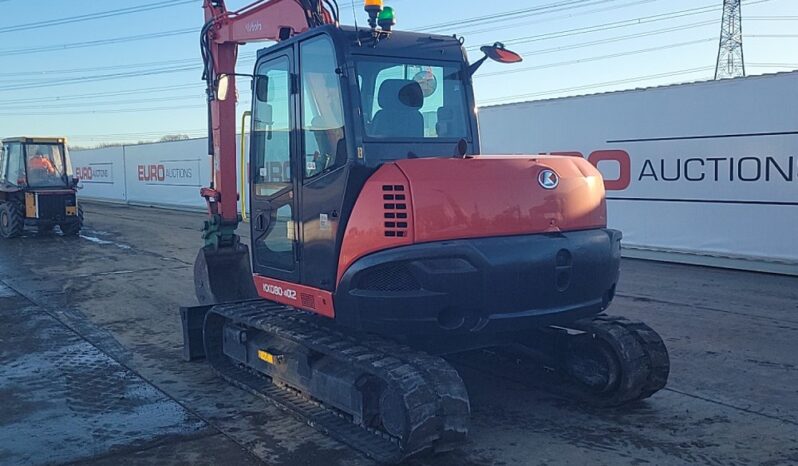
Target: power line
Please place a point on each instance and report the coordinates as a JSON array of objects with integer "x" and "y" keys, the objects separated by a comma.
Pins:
[
  {"x": 198, "y": 96},
  {"x": 124, "y": 110},
  {"x": 599, "y": 85},
  {"x": 772, "y": 36},
  {"x": 88, "y": 79},
  {"x": 95, "y": 43},
  {"x": 92, "y": 16},
  {"x": 618, "y": 24},
  {"x": 596, "y": 58},
  {"x": 609, "y": 40},
  {"x": 102, "y": 68},
  {"x": 487, "y": 19},
  {"x": 28, "y": 84},
  {"x": 493, "y": 29},
  {"x": 146, "y": 90}
]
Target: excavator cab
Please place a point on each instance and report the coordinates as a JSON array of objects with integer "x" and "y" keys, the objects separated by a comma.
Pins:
[
  {"x": 37, "y": 187},
  {"x": 330, "y": 107}
]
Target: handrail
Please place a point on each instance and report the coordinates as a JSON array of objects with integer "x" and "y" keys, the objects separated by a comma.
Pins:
[{"x": 243, "y": 186}]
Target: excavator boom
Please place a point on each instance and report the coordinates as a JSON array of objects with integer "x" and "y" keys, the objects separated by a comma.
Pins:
[
  {"x": 224, "y": 31},
  {"x": 222, "y": 270}
]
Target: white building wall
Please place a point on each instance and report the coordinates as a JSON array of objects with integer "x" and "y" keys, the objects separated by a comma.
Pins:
[{"x": 167, "y": 174}]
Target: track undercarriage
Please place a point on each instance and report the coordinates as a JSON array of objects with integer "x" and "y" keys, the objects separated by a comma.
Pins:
[{"x": 391, "y": 401}]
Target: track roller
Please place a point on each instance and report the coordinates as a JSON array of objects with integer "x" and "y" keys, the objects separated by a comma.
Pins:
[{"x": 386, "y": 400}]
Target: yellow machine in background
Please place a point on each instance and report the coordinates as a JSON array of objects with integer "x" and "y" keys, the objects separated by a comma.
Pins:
[{"x": 37, "y": 187}]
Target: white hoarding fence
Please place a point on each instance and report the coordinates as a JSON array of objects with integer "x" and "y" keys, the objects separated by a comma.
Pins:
[
  {"x": 706, "y": 170},
  {"x": 167, "y": 174},
  {"x": 101, "y": 173}
]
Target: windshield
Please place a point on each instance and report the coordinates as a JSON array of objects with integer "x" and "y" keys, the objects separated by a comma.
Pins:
[
  {"x": 412, "y": 100},
  {"x": 45, "y": 165}
]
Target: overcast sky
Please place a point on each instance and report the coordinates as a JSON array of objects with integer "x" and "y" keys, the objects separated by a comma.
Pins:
[{"x": 89, "y": 81}]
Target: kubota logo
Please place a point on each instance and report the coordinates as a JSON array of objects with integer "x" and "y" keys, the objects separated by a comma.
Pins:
[
  {"x": 548, "y": 179},
  {"x": 254, "y": 26}
]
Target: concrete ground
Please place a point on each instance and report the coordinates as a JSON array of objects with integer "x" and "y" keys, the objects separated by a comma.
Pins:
[{"x": 90, "y": 368}]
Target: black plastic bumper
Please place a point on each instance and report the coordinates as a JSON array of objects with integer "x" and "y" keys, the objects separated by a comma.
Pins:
[{"x": 499, "y": 284}]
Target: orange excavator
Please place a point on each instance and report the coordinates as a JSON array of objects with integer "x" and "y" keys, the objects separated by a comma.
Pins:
[{"x": 382, "y": 240}]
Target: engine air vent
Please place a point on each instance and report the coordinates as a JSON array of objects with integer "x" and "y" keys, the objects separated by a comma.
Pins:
[
  {"x": 394, "y": 197},
  {"x": 389, "y": 277}
]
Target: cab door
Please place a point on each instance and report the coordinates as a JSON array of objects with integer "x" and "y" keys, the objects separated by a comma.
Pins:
[{"x": 275, "y": 240}]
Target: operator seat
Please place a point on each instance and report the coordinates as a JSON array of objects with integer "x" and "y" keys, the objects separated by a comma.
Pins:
[{"x": 399, "y": 116}]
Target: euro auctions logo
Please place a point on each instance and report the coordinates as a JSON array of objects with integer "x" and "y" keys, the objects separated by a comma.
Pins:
[
  {"x": 177, "y": 173},
  {"x": 96, "y": 173}
]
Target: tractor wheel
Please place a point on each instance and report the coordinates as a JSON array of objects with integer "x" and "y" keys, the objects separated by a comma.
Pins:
[
  {"x": 12, "y": 221},
  {"x": 73, "y": 228}
]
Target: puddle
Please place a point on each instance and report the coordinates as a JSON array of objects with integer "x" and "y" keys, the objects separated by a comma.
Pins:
[{"x": 96, "y": 240}]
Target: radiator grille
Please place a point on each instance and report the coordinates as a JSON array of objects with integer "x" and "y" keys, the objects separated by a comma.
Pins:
[
  {"x": 392, "y": 277},
  {"x": 52, "y": 207}
]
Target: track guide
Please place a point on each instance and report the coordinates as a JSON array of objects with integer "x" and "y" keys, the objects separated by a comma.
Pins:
[{"x": 434, "y": 399}]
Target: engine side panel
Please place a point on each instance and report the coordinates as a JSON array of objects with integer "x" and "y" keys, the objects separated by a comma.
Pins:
[
  {"x": 381, "y": 218},
  {"x": 427, "y": 200},
  {"x": 501, "y": 196}
]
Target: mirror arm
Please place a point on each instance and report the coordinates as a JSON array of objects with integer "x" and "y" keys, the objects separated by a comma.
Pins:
[{"x": 475, "y": 66}]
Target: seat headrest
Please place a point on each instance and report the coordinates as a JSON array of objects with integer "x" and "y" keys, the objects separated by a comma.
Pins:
[{"x": 400, "y": 93}]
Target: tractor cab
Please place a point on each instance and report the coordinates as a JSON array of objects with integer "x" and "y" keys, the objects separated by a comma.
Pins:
[{"x": 37, "y": 187}]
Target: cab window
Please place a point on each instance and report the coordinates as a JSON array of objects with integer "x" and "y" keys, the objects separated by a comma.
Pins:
[
  {"x": 324, "y": 146},
  {"x": 45, "y": 165},
  {"x": 271, "y": 130},
  {"x": 3, "y": 163},
  {"x": 412, "y": 100},
  {"x": 16, "y": 166}
]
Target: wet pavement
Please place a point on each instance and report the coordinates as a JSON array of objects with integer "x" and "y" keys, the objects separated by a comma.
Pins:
[{"x": 90, "y": 367}]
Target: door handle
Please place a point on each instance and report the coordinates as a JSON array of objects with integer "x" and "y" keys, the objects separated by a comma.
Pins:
[{"x": 261, "y": 222}]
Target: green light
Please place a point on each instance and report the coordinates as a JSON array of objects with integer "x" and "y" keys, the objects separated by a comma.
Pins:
[{"x": 386, "y": 18}]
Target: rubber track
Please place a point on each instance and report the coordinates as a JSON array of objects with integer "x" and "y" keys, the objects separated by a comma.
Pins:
[
  {"x": 645, "y": 367},
  {"x": 435, "y": 398},
  {"x": 652, "y": 367}
]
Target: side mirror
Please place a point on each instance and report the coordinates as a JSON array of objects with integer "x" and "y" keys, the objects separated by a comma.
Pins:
[
  {"x": 262, "y": 89},
  {"x": 222, "y": 87},
  {"x": 495, "y": 52},
  {"x": 498, "y": 53}
]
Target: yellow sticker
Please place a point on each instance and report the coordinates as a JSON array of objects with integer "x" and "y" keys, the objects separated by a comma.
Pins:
[{"x": 266, "y": 356}]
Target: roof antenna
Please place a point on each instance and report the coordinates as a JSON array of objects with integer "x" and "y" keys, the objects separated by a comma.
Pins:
[{"x": 357, "y": 29}]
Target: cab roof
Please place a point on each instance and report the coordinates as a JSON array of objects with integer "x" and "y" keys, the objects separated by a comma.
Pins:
[
  {"x": 37, "y": 140},
  {"x": 399, "y": 44}
]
